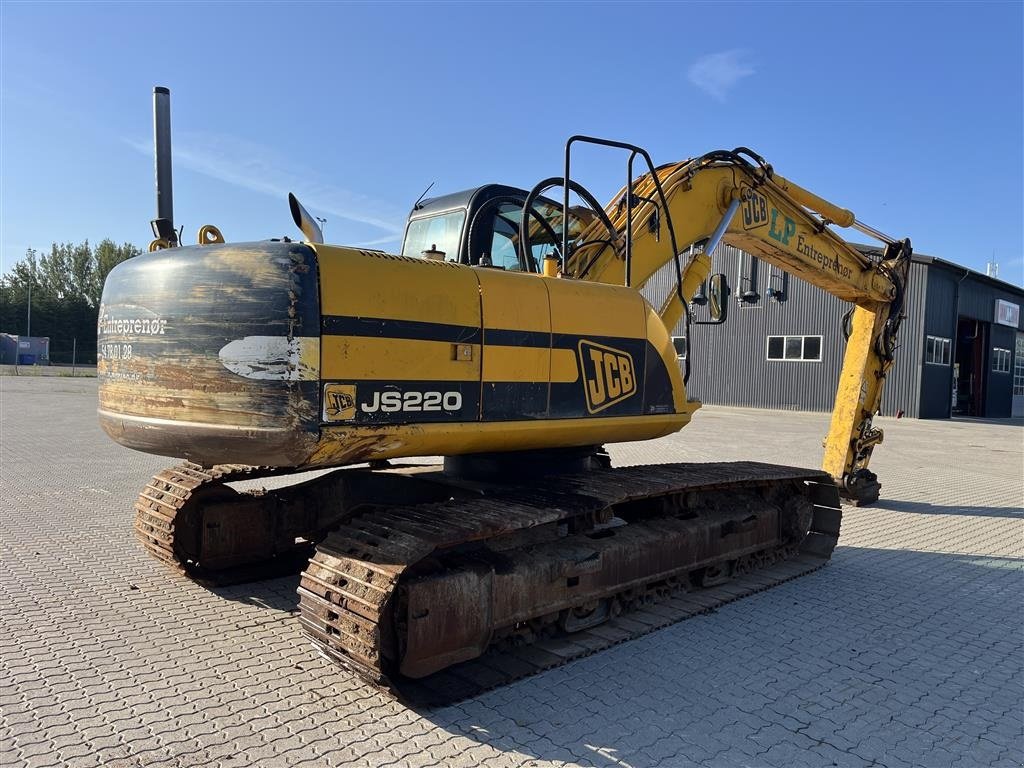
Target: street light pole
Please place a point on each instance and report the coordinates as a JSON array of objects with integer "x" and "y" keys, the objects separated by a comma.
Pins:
[
  {"x": 323, "y": 223},
  {"x": 28, "y": 321}
]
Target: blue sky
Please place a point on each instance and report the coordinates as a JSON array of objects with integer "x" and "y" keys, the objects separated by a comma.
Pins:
[{"x": 909, "y": 114}]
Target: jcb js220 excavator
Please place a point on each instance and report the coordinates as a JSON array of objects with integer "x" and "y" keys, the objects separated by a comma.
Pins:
[{"x": 510, "y": 338}]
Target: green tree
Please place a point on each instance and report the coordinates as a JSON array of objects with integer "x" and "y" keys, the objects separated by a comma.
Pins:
[
  {"x": 67, "y": 284},
  {"x": 106, "y": 256}
]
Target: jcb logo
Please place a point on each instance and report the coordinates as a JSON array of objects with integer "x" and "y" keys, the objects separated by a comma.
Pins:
[
  {"x": 339, "y": 402},
  {"x": 755, "y": 211},
  {"x": 608, "y": 375}
]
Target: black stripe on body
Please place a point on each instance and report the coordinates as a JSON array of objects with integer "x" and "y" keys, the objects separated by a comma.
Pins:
[
  {"x": 514, "y": 401},
  {"x": 411, "y": 402},
  {"x": 341, "y": 325},
  {"x": 420, "y": 330},
  {"x": 507, "y": 401},
  {"x": 512, "y": 338}
]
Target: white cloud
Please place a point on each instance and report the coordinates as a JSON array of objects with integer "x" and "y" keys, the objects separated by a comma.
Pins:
[
  {"x": 257, "y": 168},
  {"x": 717, "y": 73},
  {"x": 378, "y": 241}
]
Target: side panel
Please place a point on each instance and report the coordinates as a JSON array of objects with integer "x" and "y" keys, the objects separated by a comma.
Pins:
[
  {"x": 551, "y": 363},
  {"x": 664, "y": 391},
  {"x": 517, "y": 355},
  {"x": 401, "y": 339},
  {"x": 606, "y": 328}
]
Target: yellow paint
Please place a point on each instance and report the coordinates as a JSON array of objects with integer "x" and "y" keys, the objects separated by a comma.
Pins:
[
  {"x": 660, "y": 339},
  {"x": 593, "y": 310},
  {"x": 341, "y": 445},
  {"x": 352, "y": 358},
  {"x": 564, "y": 366},
  {"x": 309, "y": 358},
  {"x": 503, "y": 363},
  {"x": 841, "y": 216},
  {"x": 857, "y": 398},
  {"x": 367, "y": 284},
  {"x": 513, "y": 300}
]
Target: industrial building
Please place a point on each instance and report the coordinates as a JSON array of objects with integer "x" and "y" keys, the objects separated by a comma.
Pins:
[
  {"x": 24, "y": 350},
  {"x": 961, "y": 345}
]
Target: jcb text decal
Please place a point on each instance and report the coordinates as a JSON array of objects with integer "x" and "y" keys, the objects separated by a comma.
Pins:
[
  {"x": 392, "y": 401},
  {"x": 339, "y": 402},
  {"x": 756, "y": 213},
  {"x": 608, "y": 375}
]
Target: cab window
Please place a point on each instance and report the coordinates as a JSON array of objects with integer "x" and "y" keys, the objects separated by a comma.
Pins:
[
  {"x": 441, "y": 232},
  {"x": 505, "y": 239}
]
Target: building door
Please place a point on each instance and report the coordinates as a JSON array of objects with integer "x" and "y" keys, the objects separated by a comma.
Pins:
[{"x": 971, "y": 343}]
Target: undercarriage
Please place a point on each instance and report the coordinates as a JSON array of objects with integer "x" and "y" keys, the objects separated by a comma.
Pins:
[{"x": 436, "y": 586}]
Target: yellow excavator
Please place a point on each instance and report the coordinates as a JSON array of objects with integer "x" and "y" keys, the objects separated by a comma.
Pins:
[{"x": 511, "y": 339}]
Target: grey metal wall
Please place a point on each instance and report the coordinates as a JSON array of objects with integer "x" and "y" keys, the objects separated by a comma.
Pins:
[
  {"x": 999, "y": 390},
  {"x": 729, "y": 363},
  {"x": 978, "y": 297},
  {"x": 939, "y": 320},
  {"x": 904, "y": 384},
  {"x": 953, "y": 291}
]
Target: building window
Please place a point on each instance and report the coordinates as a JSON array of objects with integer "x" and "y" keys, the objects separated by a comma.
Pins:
[
  {"x": 937, "y": 350},
  {"x": 1018, "y": 366},
  {"x": 805, "y": 348},
  {"x": 679, "y": 342},
  {"x": 1000, "y": 360}
]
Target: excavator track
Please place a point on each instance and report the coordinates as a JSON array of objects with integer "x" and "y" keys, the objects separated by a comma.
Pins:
[
  {"x": 174, "y": 494},
  {"x": 376, "y": 578}
]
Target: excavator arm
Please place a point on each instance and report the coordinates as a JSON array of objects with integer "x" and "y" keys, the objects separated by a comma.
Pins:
[{"x": 724, "y": 196}]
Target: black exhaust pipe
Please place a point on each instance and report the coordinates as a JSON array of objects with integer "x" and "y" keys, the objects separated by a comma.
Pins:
[{"x": 163, "y": 224}]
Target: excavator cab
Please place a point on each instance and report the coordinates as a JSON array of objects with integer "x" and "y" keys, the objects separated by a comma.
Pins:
[{"x": 481, "y": 227}]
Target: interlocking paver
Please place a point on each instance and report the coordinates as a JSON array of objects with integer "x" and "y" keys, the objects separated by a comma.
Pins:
[{"x": 904, "y": 651}]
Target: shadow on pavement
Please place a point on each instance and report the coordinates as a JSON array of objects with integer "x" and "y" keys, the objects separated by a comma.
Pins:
[
  {"x": 924, "y": 508},
  {"x": 273, "y": 594},
  {"x": 884, "y": 657},
  {"x": 1004, "y": 422}
]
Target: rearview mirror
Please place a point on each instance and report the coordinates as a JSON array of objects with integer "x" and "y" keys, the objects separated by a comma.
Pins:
[{"x": 718, "y": 294}]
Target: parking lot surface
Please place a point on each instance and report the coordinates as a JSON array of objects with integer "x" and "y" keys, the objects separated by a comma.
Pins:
[{"x": 906, "y": 650}]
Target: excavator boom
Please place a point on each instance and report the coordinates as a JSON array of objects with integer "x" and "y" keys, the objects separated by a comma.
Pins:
[{"x": 737, "y": 198}]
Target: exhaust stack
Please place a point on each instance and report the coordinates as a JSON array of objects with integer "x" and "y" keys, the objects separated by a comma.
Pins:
[
  {"x": 304, "y": 221},
  {"x": 163, "y": 224}
]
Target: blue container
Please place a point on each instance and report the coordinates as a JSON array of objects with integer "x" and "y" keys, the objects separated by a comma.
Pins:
[{"x": 26, "y": 359}]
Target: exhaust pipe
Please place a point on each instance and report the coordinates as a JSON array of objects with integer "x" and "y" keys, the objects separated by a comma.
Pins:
[
  {"x": 304, "y": 221},
  {"x": 163, "y": 224}
]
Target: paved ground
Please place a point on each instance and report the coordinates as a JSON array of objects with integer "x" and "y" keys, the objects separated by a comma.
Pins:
[
  {"x": 47, "y": 370},
  {"x": 905, "y": 651}
]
